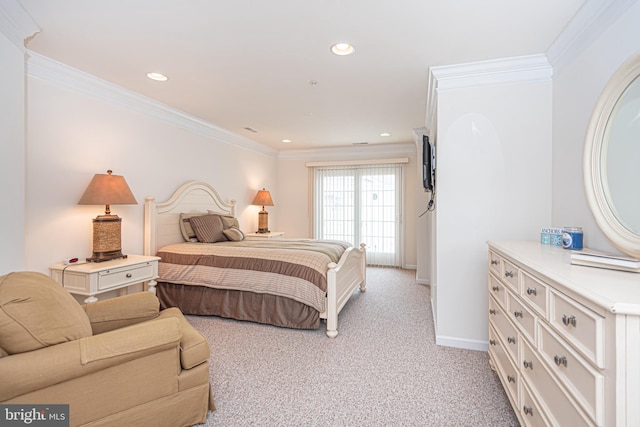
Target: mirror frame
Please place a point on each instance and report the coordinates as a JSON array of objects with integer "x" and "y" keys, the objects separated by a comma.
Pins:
[{"x": 594, "y": 171}]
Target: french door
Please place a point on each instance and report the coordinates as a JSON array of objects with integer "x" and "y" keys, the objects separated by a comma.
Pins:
[{"x": 361, "y": 204}]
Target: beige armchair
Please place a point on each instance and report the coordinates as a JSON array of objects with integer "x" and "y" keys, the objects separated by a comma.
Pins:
[{"x": 114, "y": 362}]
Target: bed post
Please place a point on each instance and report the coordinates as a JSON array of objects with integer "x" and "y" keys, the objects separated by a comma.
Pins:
[
  {"x": 332, "y": 301},
  {"x": 363, "y": 267},
  {"x": 149, "y": 243}
]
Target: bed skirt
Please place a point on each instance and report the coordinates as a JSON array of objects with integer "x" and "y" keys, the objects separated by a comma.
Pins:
[{"x": 239, "y": 305}]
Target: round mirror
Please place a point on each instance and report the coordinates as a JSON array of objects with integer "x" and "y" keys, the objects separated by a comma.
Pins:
[{"x": 612, "y": 159}]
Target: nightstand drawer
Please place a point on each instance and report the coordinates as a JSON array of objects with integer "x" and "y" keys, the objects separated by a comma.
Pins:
[{"x": 118, "y": 277}]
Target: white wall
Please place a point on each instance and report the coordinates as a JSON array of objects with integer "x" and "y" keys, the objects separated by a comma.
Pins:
[
  {"x": 11, "y": 156},
  {"x": 73, "y": 134},
  {"x": 576, "y": 88},
  {"x": 493, "y": 183},
  {"x": 15, "y": 26}
]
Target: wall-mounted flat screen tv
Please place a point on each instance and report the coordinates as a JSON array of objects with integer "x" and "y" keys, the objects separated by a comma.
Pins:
[{"x": 428, "y": 164}]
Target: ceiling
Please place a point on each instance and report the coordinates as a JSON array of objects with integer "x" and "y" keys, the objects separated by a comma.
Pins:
[{"x": 250, "y": 64}]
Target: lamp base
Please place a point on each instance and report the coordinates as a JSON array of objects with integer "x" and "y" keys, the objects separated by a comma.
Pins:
[
  {"x": 106, "y": 256},
  {"x": 106, "y": 239},
  {"x": 263, "y": 221}
]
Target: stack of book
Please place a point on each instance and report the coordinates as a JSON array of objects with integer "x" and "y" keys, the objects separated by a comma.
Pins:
[{"x": 592, "y": 258}]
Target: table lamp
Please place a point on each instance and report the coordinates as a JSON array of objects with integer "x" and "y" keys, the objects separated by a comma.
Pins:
[
  {"x": 263, "y": 198},
  {"x": 107, "y": 189}
]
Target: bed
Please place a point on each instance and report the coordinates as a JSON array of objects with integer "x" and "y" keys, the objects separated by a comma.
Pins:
[{"x": 294, "y": 283}]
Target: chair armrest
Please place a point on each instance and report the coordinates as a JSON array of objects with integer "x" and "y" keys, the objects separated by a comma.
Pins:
[
  {"x": 25, "y": 372},
  {"x": 194, "y": 348},
  {"x": 122, "y": 311}
]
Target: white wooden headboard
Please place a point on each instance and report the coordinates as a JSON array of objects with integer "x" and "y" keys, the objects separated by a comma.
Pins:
[{"x": 161, "y": 220}]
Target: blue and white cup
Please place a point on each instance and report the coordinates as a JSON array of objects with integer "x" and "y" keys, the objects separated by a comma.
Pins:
[{"x": 572, "y": 238}]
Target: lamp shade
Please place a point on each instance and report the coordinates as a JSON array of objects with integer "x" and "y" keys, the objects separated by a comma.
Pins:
[
  {"x": 108, "y": 189},
  {"x": 263, "y": 198}
]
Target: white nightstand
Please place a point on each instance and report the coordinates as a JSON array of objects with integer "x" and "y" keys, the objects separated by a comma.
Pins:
[
  {"x": 95, "y": 278},
  {"x": 269, "y": 235}
]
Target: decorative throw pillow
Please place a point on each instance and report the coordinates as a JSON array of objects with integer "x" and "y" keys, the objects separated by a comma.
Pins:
[
  {"x": 185, "y": 226},
  {"x": 208, "y": 228},
  {"x": 36, "y": 312},
  {"x": 234, "y": 234},
  {"x": 227, "y": 220}
]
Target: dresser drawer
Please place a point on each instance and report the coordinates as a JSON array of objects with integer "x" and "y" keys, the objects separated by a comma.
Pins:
[
  {"x": 554, "y": 401},
  {"x": 506, "y": 331},
  {"x": 506, "y": 369},
  {"x": 522, "y": 317},
  {"x": 497, "y": 290},
  {"x": 495, "y": 263},
  {"x": 585, "y": 383},
  {"x": 582, "y": 327},
  {"x": 529, "y": 409},
  {"x": 510, "y": 275},
  {"x": 122, "y": 276},
  {"x": 535, "y": 293}
]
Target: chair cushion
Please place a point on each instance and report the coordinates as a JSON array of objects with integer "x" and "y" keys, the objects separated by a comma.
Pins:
[{"x": 36, "y": 312}]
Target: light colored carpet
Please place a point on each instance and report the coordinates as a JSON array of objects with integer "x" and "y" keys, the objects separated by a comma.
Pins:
[{"x": 383, "y": 369}]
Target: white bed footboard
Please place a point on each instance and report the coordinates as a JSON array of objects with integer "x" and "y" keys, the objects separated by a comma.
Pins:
[{"x": 342, "y": 279}]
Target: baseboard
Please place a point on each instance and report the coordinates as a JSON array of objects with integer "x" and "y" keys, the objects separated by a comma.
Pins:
[{"x": 462, "y": 343}]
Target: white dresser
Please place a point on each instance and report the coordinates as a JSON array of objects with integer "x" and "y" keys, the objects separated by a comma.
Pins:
[{"x": 564, "y": 339}]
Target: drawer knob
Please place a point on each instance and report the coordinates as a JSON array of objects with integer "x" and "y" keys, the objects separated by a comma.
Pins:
[
  {"x": 495, "y": 289},
  {"x": 517, "y": 314},
  {"x": 494, "y": 262},
  {"x": 511, "y": 378},
  {"x": 560, "y": 360},
  {"x": 527, "y": 410},
  {"x": 569, "y": 320},
  {"x": 508, "y": 274},
  {"x": 492, "y": 342},
  {"x": 532, "y": 291},
  {"x": 511, "y": 340},
  {"x": 129, "y": 275},
  {"x": 492, "y": 311},
  {"x": 527, "y": 364}
]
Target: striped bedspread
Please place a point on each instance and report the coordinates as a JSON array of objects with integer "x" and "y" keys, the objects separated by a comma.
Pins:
[{"x": 292, "y": 268}]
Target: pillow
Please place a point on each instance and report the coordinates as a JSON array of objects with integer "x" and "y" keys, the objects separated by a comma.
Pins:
[
  {"x": 36, "y": 312},
  {"x": 208, "y": 228},
  {"x": 185, "y": 226},
  {"x": 234, "y": 234},
  {"x": 228, "y": 221}
]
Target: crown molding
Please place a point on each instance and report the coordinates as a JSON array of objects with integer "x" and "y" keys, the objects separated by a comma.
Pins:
[
  {"x": 591, "y": 21},
  {"x": 47, "y": 69},
  {"x": 357, "y": 152},
  {"x": 520, "y": 69},
  {"x": 15, "y": 23}
]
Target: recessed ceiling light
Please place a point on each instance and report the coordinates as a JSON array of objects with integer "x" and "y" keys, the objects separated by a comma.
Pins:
[
  {"x": 385, "y": 134},
  {"x": 286, "y": 141},
  {"x": 342, "y": 49},
  {"x": 159, "y": 77}
]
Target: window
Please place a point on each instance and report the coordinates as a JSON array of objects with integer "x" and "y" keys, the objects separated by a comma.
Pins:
[{"x": 361, "y": 204}]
